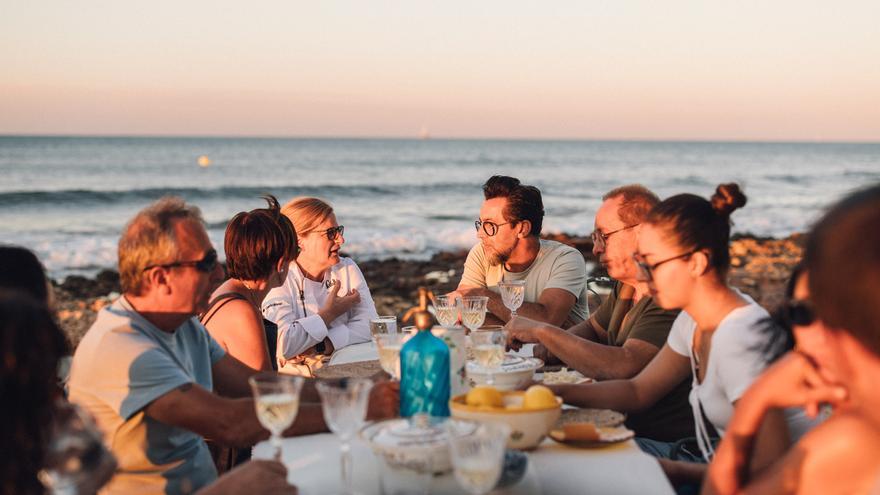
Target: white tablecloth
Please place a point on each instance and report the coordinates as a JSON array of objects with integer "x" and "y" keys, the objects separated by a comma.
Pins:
[{"x": 553, "y": 469}]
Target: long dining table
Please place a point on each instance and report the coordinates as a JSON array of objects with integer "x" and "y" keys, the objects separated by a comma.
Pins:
[{"x": 313, "y": 462}]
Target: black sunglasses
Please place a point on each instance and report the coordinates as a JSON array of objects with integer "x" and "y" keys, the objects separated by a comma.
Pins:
[
  {"x": 333, "y": 232},
  {"x": 490, "y": 228},
  {"x": 799, "y": 312},
  {"x": 207, "y": 264}
]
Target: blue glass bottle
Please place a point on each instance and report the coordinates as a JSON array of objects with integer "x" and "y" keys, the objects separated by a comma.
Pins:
[{"x": 424, "y": 376}]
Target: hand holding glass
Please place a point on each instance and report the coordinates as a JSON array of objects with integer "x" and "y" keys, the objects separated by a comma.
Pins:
[
  {"x": 276, "y": 398},
  {"x": 344, "y": 402},
  {"x": 512, "y": 293}
]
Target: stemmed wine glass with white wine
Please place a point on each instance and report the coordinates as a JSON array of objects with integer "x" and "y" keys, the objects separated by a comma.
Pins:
[
  {"x": 489, "y": 352},
  {"x": 512, "y": 293},
  {"x": 473, "y": 311},
  {"x": 344, "y": 402},
  {"x": 446, "y": 309},
  {"x": 478, "y": 458},
  {"x": 276, "y": 398}
]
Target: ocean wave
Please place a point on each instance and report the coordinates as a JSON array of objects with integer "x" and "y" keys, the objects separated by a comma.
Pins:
[{"x": 108, "y": 196}]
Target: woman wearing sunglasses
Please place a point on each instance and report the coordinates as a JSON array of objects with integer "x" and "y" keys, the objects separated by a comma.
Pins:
[
  {"x": 324, "y": 303},
  {"x": 683, "y": 256},
  {"x": 836, "y": 361}
]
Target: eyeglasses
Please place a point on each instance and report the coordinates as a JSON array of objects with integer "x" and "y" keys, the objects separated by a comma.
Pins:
[
  {"x": 332, "y": 233},
  {"x": 207, "y": 264},
  {"x": 798, "y": 312},
  {"x": 645, "y": 269},
  {"x": 600, "y": 239},
  {"x": 490, "y": 228}
]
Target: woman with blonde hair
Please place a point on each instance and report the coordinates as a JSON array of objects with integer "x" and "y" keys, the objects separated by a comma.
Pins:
[{"x": 324, "y": 303}]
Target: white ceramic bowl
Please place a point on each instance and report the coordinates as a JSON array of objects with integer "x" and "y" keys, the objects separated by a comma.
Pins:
[
  {"x": 515, "y": 373},
  {"x": 528, "y": 427}
]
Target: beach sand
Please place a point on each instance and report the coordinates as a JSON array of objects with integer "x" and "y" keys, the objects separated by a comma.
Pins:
[{"x": 760, "y": 268}]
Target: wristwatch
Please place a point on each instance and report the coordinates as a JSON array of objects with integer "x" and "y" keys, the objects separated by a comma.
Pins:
[{"x": 321, "y": 347}]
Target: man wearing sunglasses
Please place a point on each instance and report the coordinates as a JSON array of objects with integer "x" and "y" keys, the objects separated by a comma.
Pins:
[
  {"x": 151, "y": 375},
  {"x": 627, "y": 330},
  {"x": 510, "y": 249}
]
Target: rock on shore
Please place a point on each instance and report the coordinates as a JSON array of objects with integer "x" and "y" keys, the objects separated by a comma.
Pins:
[{"x": 759, "y": 267}]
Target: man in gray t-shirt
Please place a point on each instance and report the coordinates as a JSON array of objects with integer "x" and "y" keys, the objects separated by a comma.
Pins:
[{"x": 510, "y": 249}]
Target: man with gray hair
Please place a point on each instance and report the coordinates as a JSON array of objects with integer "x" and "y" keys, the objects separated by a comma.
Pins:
[
  {"x": 628, "y": 329},
  {"x": 151, "y": 375}
]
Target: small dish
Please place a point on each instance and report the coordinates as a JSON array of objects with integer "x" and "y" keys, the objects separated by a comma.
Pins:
[{"x": 588, "y": 435}]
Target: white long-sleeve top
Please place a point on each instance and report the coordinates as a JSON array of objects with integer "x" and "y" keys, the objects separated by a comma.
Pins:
[{"x": 294, "y": 308}]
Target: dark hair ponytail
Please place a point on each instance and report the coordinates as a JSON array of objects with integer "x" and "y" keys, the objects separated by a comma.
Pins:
[{"x": 700, "y": 224}]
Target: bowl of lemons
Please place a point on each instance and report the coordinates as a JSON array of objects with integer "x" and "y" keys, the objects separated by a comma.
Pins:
[{"x": 530, "y": 414}]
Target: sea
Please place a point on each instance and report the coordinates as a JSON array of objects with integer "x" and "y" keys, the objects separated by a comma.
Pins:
[{"x": 68, "y": 198}]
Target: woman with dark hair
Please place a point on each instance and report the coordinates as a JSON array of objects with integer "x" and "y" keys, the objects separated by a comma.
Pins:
[
  {"x": 836, "y": 361},
  {"x": 20, "y": 270},
  {"x": 259, "y": 245},
  {"x": 34, "y": 412},
  {"x": 684, "y": 257}
]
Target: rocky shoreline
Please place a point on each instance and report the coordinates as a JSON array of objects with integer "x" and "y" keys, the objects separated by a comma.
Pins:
[{"x": 760, "y": 268}]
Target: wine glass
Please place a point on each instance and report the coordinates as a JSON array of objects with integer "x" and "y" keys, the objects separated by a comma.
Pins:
[
  {"x": 446, "y": 309},
  {"x": 473, "y": 311},
  {"x": 383, "y": 324},
  {"x": 276, "y": 398},
  {"x": 478, "y": 459},
  {"x": 389, "y": 345},
  {"x": 344, "y": 403},
  {"x": 512, "y": 293},
  {"x": 488, "y": 348}
]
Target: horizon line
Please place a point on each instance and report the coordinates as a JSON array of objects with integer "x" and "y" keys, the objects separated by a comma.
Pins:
[{"x": 441, "y": 138}]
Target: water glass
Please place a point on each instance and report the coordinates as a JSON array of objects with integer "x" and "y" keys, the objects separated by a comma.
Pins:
[
  {"x": 446, "y": 309},
  {"x": 276, "y": 399},
  {"x": 389, "y": 346},
  {"x": 344, "y": 401},
  {"x": 488, "y": 348},
  {"x": 478, "y": 459},
  {"x": 473, "y": 311},
  {"x": 383, "y": 324},
  {"x": 512, "y": 293}
]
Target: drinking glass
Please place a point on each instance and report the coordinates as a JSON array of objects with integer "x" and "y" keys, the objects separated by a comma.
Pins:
[
  {"x": 389, "y": 345},
  {"x": 383, "y": 324},
  {"x": 446, "y": 309},
  {"x": 512, "y": 293},
  {"x": 344, "y": 402},
  {"x": 473, "y": 311},
  {"x": 276, "y": 398},
  {"x": 478, "y": 459},
  {"x": 488, "y": 348}
]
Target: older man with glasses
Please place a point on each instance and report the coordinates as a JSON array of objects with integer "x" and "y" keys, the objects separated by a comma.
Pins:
[
  {"x": 628, "y": 329},
  {"x": 155, "y": 380},
  {"x": 510, "y": 249}
]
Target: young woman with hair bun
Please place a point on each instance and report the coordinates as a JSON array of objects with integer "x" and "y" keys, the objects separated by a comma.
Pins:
[{"x": 683, "y": 255}]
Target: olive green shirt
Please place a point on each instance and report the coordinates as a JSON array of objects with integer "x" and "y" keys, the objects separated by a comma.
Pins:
[{"x": 670, "y": 419}]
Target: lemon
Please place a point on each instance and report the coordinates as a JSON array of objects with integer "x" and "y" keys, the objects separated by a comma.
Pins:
[
  {"x": 538, "y": 397},
  {"x": 484, "y": 395}
]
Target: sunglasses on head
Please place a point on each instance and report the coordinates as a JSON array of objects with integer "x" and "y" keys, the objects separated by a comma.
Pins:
[{"x": 207, "y": 264}]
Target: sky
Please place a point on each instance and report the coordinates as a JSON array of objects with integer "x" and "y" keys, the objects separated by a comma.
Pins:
[{"x": 691, "y": 70}]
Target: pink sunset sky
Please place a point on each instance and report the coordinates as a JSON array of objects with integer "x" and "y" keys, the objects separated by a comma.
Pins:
[{"x": 778, "y": 70}]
